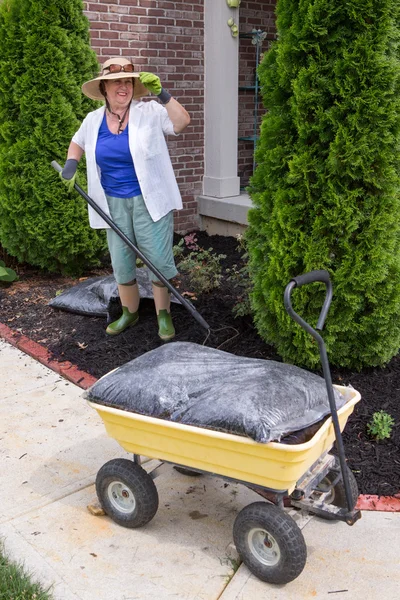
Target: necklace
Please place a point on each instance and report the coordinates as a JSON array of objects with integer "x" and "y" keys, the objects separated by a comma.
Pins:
[{"x": 120, "y": 119}]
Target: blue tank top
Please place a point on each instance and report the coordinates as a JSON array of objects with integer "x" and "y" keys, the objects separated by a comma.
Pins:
[{"x": 118, "y": 175}]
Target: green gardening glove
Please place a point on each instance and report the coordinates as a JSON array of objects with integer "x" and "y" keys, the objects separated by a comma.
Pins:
[
  {"x": 68, "y": 174},
  {"x": 151, "y": 82}
]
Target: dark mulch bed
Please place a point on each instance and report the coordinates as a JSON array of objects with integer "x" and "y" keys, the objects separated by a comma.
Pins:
[{"x": 83, "y": 341}]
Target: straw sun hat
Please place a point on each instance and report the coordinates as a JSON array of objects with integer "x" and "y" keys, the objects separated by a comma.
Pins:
[{"x": 92, "y": 88}]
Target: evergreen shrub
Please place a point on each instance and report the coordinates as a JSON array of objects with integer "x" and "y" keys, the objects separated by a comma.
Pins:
[
  {"x": 326, "y": 187},
  {"x": 45, "y": 57}
]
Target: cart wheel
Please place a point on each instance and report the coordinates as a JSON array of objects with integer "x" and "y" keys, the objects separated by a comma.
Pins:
[
  {"x": 126, "y": 493},
  {"x": 189, "y": 472},
  {"x": 337, "y": 495},
  {"x": 270, "y": 543}
]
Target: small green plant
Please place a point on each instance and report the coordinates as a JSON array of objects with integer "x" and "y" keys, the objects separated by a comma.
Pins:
[
  {"x": 7, "y": 275},
  {"x": 234, "y": 563},
  {"x": 240, "y": 278},
  {"x": 203, "y": 267},
  {"x": 178, "y": 249},
  {"x": 188, "y": 242},
  {"x": 381, "y": 425}
]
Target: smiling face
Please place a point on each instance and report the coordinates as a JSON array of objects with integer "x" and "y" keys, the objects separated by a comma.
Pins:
[{"x": 119, "y": 92}]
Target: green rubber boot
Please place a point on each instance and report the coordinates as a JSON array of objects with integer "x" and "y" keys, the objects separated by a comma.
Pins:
[
  {"x": 166, "y": 329},
  {"x": 127, "y": 318}
]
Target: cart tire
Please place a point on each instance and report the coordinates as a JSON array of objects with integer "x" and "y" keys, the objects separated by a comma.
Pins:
[
  {"x": 337, "y": 496},
  {"x": 188, "y": 472},
  {"x": 270, "y": 543},
  {"x": 126, "y": 493}
]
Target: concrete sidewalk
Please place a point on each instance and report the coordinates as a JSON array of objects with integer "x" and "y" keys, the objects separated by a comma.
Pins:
[{"x": 51, "y": 447}]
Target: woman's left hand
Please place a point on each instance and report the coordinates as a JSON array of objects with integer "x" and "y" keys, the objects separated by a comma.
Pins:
[
  {"x": 178, "y": 115},
  {"x": 151, "y": 82}
]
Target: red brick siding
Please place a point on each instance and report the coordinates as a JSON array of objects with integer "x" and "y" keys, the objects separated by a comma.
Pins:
[
  {"x": 253, "y": 15},
  {"x": 167, "y": 38}
]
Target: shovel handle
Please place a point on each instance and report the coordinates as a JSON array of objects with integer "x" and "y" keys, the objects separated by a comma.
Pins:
[{"x": 56, "y": 166}]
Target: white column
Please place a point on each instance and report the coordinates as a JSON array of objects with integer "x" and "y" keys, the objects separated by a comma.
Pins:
[{"x": 221, "y": 101}]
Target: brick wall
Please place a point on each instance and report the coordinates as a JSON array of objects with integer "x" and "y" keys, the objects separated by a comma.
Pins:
[
  {"x": 253, "y": 15},
  {"x": 166, "y": 38}
]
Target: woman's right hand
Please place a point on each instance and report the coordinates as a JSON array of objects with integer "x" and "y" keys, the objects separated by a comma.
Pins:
[{"x": 68, "y": 174}]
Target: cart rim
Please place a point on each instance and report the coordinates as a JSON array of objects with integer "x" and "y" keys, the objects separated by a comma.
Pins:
[
  {"x": 121, "y": 497},
  {"x": 264, "y": 546}
]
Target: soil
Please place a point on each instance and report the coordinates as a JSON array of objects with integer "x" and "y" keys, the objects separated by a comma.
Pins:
[{"x": 82, "y": 341}]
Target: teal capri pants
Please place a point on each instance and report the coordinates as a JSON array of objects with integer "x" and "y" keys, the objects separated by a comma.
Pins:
[{"x": 153, "y": 238}]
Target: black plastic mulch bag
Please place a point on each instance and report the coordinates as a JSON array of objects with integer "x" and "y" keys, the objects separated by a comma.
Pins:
[
  {"x": 94, "y": 296},
  {"x": 204, "y": 387}
]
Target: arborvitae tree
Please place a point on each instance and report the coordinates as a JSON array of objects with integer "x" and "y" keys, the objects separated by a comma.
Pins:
[
  {"x": 326, "y": 190},
  {"x": 44, "y": 59}
]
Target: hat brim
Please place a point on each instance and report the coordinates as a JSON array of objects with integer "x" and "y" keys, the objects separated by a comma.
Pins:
[{"x": 91, "y": 88}]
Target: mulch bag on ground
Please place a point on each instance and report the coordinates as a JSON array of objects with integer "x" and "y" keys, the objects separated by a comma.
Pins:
[
  {"x": 195, "y": 385},
  {"x": 94, "y": 296}
]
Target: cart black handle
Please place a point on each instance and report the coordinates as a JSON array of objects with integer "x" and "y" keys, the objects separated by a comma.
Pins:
[
  {"x": 186, "y": 303},
  {"x": 323, "y": 277},
  {"x": 311, "y": 277}
]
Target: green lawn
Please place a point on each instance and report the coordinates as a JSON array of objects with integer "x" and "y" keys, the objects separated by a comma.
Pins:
[{"x": 16, "y": 583}]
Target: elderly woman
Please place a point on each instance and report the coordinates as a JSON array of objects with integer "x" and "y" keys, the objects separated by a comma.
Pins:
[{"x": 130, "y": 177}]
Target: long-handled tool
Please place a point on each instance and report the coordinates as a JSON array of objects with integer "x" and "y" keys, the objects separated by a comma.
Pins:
[{"x": 188, "y": 305}]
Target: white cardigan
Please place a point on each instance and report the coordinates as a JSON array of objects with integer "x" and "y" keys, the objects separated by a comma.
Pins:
[{"x": 148, "y": 122}]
